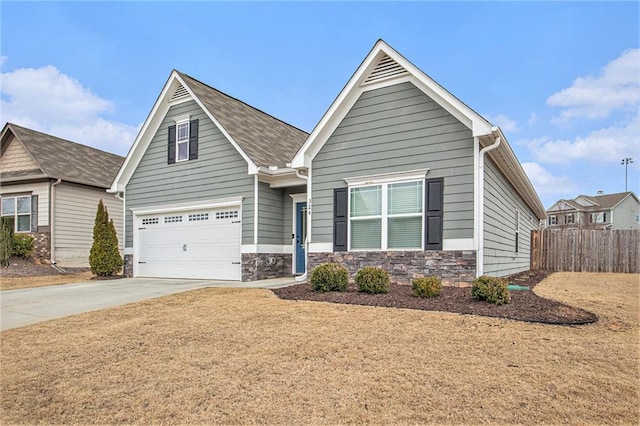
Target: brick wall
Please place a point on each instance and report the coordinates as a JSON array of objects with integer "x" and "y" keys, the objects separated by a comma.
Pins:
[
  {"x": 42, "y": 246},
  {"x": 455, "y": 268},
  {"x": 257, "y": 266}
]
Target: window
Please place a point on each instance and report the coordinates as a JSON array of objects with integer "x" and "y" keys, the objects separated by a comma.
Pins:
[
  {"x": 600, "y": 217},
  {"x": 386, "y": 216},
  {"x": 517, "y": 229},
  {"x": 553, "y": 220},
  {"x": 182, "y": 141},
  {"x": 227, "y": 215},
  {"x": 172, "y": 219},
  {"x": 20, "y": 209},
  {"x": 150, "y": 221},
  {"x": 569, "y": 219},
  {"x": 198, "y": 216}
]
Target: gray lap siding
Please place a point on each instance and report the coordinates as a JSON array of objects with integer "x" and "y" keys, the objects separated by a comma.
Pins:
[
  {"x": 218, "y": 172},
  {"x": 393, "y": 129}
]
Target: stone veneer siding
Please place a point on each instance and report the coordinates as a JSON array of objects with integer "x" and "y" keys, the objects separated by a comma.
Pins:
[
  {"x": 455, "y": 268},
  {"x": 127, "y": 270},
  {"x": 256, "y": 266},
  {"x": 42, "y": 246}
]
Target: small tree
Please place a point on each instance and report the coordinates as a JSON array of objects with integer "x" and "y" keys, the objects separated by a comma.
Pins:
[
  {"x": 104, "y": 258},
  {"x": 6, "y": 240}
]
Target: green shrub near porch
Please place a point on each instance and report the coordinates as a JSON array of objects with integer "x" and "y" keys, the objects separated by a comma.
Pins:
[
  {"x": 373, "y": 280},
  {"x": 329, "y": 277}
]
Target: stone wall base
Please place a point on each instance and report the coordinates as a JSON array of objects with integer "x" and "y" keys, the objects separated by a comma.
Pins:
[
  {"x": 262, "y": 266},
  {"x": 127, "y": 269},
  {"x": 42, "y": 246},
  {"x": 454, "y": 268}
]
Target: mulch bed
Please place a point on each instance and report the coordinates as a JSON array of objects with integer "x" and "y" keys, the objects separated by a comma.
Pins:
[
  {"x": 524, "y": 305},
  {"x": 19, "y": 267}
]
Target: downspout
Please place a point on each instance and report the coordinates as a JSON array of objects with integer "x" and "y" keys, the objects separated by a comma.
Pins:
[
  {"x": 303, "y": 277},
  {"x": 255, "y": 210},
  {"x": 124, "y": 218},
  {"x": 480, "y": 254},
  {"x": 52, "y": 212}
]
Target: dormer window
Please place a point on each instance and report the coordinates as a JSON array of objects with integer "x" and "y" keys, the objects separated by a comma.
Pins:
[{"x": 182, "y": 140}]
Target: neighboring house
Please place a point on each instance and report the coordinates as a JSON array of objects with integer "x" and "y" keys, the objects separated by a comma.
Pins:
[
  {"x": 610, "y": 211},
  {"x": 51, "y": 187},
  {"x": 398, "y": 173}
]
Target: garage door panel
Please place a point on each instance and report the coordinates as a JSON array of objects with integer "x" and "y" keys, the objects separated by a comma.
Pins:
[{"x": 173, "y": 246}]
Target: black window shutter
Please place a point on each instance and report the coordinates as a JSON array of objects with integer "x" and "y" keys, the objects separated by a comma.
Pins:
[
  {"x": 433, "y": 214},
  {"x": 340, "y": 219},
  {"x": 171, "y": 148},
  {"x": 193, "y": 139},
  {"x": 34, "y": 213}
]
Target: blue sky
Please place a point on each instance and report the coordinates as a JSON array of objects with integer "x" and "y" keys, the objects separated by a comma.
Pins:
[{"x": 561, "y": 79}]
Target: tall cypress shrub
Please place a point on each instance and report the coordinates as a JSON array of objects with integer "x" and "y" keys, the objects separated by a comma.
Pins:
[
  {"x": 104, "y": 258},
  {"x": 6, "y": 240}
]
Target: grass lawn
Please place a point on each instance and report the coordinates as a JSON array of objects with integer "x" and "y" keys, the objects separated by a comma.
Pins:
[
  {"x": 245, "y": 356},
  {"x": 13, "y": 283}
]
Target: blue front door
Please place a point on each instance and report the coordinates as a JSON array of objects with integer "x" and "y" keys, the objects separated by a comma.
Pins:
[{"x": 301, "y": 234}]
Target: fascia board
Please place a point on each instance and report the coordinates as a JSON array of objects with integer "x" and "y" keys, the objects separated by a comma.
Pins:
[{"x": 252, "y": 167}]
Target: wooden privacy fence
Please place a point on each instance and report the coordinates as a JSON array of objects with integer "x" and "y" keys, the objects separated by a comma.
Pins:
[{"x": 586, "y": 250}]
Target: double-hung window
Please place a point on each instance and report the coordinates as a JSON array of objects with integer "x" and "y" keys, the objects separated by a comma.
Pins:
[
  {"x": 387, "y": 216},
  {"x": 20, "y": 209},
  {"x": 600, "y": 217},
  {"x": 182, "y": 140}
]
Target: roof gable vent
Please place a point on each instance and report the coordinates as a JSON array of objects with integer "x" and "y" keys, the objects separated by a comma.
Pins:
[
  {"x": 386, "y": 68},
  {"x": 179, "y": 93}
]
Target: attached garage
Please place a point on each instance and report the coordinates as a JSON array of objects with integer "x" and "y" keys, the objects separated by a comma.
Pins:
[{"x": 198, "y": 244}]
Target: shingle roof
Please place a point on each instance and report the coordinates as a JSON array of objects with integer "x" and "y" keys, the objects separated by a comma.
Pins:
[
  {"x": 602, "y": 201},
  {"x": 265, "y": 139},
  {"x": 62, "y": 159}
]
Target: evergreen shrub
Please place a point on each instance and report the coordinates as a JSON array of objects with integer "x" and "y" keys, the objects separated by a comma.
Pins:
[
  {"x": 426, "y": 286},
  {"x": 373, "y": 280},
  {"x": 104, "y": 257},
  {"x": 492, "y": 289},
  {"x": 23, "y": 245},
  {"x": 329, "y": 277}
]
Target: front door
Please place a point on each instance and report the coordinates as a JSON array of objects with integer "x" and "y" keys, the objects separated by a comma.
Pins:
[{"x": 301, "y": 235}]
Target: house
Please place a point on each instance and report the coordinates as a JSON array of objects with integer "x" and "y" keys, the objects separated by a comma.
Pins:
[
  {"x": 398, "y": 173},
  {"x": 610, "y": 211},
  {"x": 51, "y": 187}
]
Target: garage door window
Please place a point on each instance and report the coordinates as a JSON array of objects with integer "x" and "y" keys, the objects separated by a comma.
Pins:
[
  {"x": 227, "y": 215},
  {"x": 172, "y": 219},
  {"x": 150, "y": 221},
  {"x": 198, "y": 216}
]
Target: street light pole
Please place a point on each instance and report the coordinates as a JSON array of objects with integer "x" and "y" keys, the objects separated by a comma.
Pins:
[{"x": 625, "y": 162}]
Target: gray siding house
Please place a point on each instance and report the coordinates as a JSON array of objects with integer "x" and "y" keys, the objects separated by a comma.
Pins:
[
  {"x": 398, "y": 173},
  {"x": 51, "y": 187},
  {"x": 603, "y": 211}
]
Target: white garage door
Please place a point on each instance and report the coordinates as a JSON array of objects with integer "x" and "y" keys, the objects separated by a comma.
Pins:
[{"x": 203, "y": 244}]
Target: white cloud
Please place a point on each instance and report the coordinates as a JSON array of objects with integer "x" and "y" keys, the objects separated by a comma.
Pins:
[
  {"x": 548, "y": 184},
  {"x": 533, "y": 119},
  {"x": 616, "y": 88},
  {"x": 48, "y": 100},
  {"x": 504, "y": 122},
  {"x": 604, "y": 145}
]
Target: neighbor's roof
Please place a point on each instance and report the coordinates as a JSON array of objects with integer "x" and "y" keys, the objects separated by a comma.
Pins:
[
  {"x": 62, "y": 159},
  {"x": 606, "y": 201},
  {"x": 265, "y": 139}
]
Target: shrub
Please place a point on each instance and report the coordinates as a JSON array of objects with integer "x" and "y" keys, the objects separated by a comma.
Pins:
[
  {"x": 491, "y": 289},
  {"x": 22, "y": 245},
  {"x": 373, "y": 280},
  {"x": 6, "y": 240},
  {"x": 329, "y": 277},
  {"x": 104, "y": 257},
  {"x": 426, "y": 287}
]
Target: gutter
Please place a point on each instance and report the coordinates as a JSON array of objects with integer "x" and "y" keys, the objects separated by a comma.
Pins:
[
  {"x": 480, "y": 254},
  {"x": 124, "y": 216},
  {"x": 303, "y": 277},
  {"x": 52, "y": 210}
]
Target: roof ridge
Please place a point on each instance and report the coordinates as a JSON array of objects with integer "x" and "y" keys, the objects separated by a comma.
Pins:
[
  {"x": 242, "y": 102},
  {"x": 9, "y": 124}
]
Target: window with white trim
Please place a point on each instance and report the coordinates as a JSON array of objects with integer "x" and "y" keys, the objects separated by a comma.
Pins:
[
  {"x": 182, "y": 140},
  {"x": 198, "y": 216},
  {"x": 387, "y": 216},
  {"x": 599, "y": 217},
  {"x": 172, "y": 219},
  {"x": 150, "y": 221},
  {"x": 553, "y": 220},
  {"x": 20, "y": 209},
  {"x": 569, "y": 219}
]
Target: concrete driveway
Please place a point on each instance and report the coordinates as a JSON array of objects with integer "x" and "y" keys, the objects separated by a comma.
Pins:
[{"x": 33, "y": 305}]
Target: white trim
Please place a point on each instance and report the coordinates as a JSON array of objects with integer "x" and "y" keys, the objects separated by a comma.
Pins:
[
  {"x": 181, "y": 119},
  {"x": 180, "y": 207},
  {"x": 387, "y": 177},
  {"x": 256, "y": 194},
  {"x": 457, "y": 244},
  {"x": 128, "y": 250},
  {"x": 265, "y": 248},
  {"x": 476, "y": 183},
  {"x": 320, "y": 247},
  {"x": 480, "y": 206},
  {"x": 296, "y": 198}
]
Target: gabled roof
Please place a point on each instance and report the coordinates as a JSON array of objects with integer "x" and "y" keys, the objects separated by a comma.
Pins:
[
  {"x": 61, "y": 159},
  {"x": 384, "y": 66},
  {"x": 601, "y": 202},
  {"x": 261, "y": 139},
  {"x": 267, "y": 140}
]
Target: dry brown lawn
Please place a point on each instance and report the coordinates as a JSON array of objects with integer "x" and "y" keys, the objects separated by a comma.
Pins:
[
  {"x": 243, "y": 356},
  {"x": 13, "y": 283}
]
